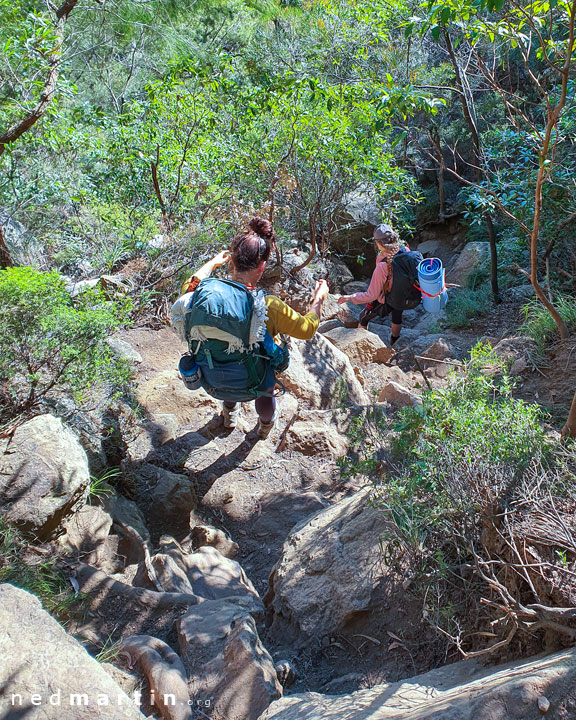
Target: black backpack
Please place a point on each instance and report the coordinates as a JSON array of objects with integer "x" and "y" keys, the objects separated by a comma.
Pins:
[{"x": 404, "y": 266}]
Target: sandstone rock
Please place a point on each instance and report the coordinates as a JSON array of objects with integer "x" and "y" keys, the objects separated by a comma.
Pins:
[
  {"x": 516, "y": 352},
  {"x": 45, "y": 674},
  {"x": 76, "y": 288},
  {"x": 226, "y": 660},
  {"x": 354, "y": 287},
  {"x": 359, "y": 375},
  {"x": 165, "y": 393},
  {"x": 86, "y": 533},
  {"x": 44, "y": 476},
  {"x": 328, "y": 571},
  {"x": 124, "y": 511},
  {"x": 363, "y": 207},
  {"x": 461, "y": 691},
  {"x": 398, "y": 395},
  {"x": 341, "y": 272},
  {"x": 317, "y": 439},
  {"x": 205, "y": 535},
  {"x": 442, "y": 370},
  {"x": 439, "y": 350},
  {"x": 392, "y": 373},
  {"x": 327, "y": 325},
  {"x": 431, "y": 248},
  {"x": 321, "y": 375},
  {"x": 124, "y": 350},
  {"x": 349, "y": 314},
  {"x": 472, "y": 258},
  {"x": 360, "y": 345},
  {"x": 330, "y": 308},
  {"x": 171, "y": 576},
  {"x": 169, "y": 492},
  {"x": 150, "y": 435}
]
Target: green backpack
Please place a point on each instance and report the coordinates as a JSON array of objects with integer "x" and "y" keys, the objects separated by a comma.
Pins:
[{"x": 224, "y": 324}]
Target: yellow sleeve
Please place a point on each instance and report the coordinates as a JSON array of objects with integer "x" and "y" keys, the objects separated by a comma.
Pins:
[
  {"x": 283, "y": 319},
  {"x": 190, "y": 285}
]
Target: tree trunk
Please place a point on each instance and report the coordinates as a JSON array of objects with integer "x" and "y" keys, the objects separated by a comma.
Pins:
[
  {"x": 569, "y": 430},
  {"x": 493, "y": 256}
]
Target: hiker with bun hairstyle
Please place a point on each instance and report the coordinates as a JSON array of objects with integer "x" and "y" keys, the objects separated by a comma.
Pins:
[
  {"x": 387, "y": 245},
  {"x": 247, "y": 257}
]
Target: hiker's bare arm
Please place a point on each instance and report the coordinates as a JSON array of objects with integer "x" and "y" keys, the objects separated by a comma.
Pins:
[
  {"x": 320, "y": 294},
  {"x": 205, "y": 271},
  {"x": 217, "y": 261}
]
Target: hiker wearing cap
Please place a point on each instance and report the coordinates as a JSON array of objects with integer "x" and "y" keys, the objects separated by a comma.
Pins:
[
  {"x": 387, "y": 245},
  {"x": 269, "y": 317}
]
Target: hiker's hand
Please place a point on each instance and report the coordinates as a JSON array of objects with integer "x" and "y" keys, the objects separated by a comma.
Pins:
[
  {"x": 343, "y": 299},
  {"x": 321, "y": 290},
  {"x": 221, "y": 259}
]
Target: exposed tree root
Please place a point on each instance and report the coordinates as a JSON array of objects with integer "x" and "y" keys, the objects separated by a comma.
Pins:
[
  {"x": 92, "y": 580},
  {"x": 165, "y": 672}
]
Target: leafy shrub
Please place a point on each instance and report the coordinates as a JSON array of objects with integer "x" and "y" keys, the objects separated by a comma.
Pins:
[
  {"x": 475, "y": 416},
  {"x": 479, "y": 481},
  {"x": 539, "y": 324},
  {"x": 50, "y": 344}
]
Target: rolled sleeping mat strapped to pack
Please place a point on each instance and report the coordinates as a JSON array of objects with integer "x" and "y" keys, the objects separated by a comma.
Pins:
[{"x": 432, "y": 284}]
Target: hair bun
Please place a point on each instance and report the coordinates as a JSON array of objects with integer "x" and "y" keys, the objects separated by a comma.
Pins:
[{"x": 262, "y": 227}]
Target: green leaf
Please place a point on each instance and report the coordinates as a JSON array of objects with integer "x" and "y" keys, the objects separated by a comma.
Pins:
[{"x": 435, "y": 32}]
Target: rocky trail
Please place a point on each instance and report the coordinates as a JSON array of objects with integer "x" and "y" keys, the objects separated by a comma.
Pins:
[{"x": 231, "y": 570}]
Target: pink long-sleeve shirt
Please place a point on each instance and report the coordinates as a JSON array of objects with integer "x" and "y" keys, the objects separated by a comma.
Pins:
[{"x": 376, "y": 287}]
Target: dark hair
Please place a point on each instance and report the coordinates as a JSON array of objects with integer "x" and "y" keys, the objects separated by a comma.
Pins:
[{"x": 250, "y": 248}]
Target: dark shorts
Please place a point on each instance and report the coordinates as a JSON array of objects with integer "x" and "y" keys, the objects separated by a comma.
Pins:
[{"x": 378, "y": 309}]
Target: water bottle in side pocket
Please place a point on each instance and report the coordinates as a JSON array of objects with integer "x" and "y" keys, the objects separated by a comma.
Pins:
[{"x": 190, "y": 372}]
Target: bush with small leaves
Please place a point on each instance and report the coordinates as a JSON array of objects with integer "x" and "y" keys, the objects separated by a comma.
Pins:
[{"x": 50, "y": 344}]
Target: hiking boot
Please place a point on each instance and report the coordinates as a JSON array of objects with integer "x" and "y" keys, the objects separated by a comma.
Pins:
[
  {"x": 231, "y": 415},
  {"x": 265, "y": 428}
]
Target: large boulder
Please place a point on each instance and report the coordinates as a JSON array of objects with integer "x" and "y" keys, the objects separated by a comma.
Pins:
[
  {"x": 321, "y": 375},
  {"x": 229, "y": 667},
  {"x": 45, "y": 674},
  {"x": 24, "y": 248},
  {"x": 471, "y": 259},
  {"x": 169, "y": 493},
  {"x": 44, "y": 476},
  {"x": 520, "y": 690},
  {"x": 329, "y": 570},
  {"x": 360, "y": 345}
]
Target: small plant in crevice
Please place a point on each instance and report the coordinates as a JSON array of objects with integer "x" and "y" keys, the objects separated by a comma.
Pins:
[
  {"x": 99, "y": 484},
  {"x": 40, "y": 576}
]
